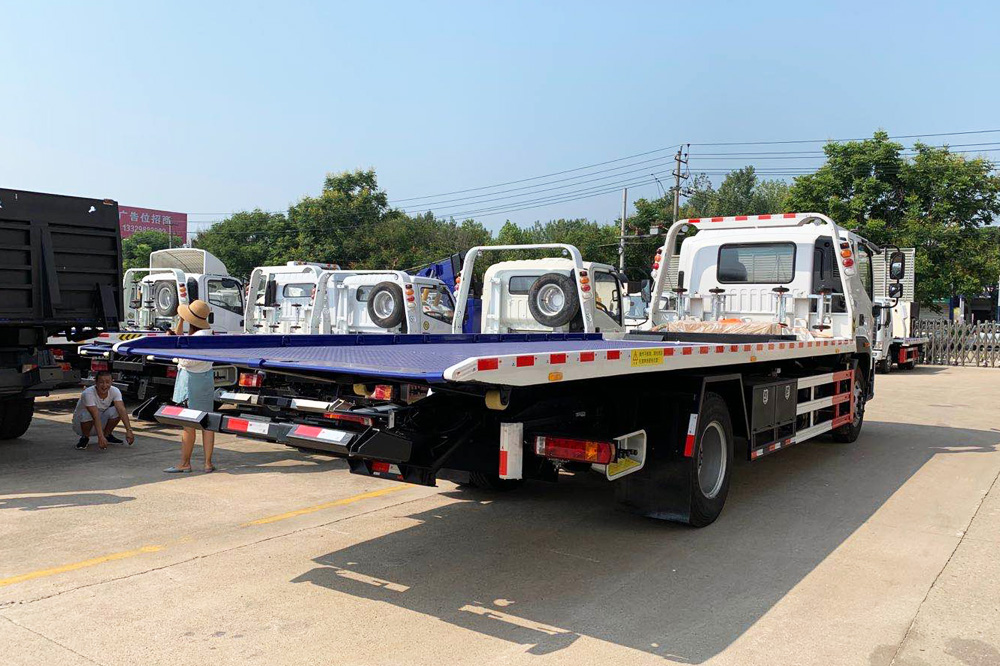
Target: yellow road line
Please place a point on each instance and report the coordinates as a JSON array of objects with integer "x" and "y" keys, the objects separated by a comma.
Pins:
[
  {"x": 327, "y": 505},
  {"x": 42, "y": 573}
]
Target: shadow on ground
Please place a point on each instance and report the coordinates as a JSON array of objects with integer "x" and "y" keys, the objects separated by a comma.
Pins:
[{"x": 544, "y": 565}]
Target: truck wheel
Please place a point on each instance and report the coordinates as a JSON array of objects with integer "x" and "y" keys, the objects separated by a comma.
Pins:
[
  {"x": 15, "y": 417},
  {"x": 165, "y": 299},
  {"x": 846, "y": 434},
  {"x": 552, "y": 300},
  {"x": 712, "y": 461},
  {"x": 884, "y": 366},
  {"x": 385, "y": 305}
]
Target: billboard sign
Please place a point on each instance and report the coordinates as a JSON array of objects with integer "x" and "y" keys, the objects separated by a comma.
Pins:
[{"x": 132, "y": 219}]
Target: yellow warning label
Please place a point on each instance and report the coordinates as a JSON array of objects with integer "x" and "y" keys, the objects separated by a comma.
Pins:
[{"x": 645, "y": 357}]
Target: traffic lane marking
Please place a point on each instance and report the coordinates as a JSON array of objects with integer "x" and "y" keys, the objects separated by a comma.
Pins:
[
  {"x": 144, "y": 550},
  {"x": 325, "y": 505},
  {"x": 94, "y": 561}
]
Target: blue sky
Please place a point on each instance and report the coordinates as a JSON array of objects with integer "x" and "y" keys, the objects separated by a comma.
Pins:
[{"x": 214, "y": 107}]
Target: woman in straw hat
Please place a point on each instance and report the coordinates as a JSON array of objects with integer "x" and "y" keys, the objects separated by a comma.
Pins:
[{"x": 194, "y": 385}]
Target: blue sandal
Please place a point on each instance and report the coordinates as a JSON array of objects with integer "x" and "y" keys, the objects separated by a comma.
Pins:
[{"x": 177, "y": 470}]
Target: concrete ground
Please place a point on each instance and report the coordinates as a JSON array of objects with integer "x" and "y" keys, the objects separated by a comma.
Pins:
[{"x": 880, "y": 552}]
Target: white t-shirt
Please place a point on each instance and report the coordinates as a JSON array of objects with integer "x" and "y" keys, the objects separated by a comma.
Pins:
[
  {"x": 89, "y": 398},
  {"x": 196, "y": 366}
]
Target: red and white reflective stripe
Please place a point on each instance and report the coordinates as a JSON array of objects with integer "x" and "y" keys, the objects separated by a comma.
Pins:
[
  {"x": 324, "y": 434},
  {"x": 382, "y": 468},
  {"x": 771, "y": 448},
  {"x": 739, "y": 221},
  {"x": 246, "y": 426},
  {"x": 180, "y": 412},
  {"x": 691, "y": 433}
]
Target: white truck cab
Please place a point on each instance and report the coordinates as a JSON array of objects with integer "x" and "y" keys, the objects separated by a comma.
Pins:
[
  {"x": 558, "y": 294},
  {"x": 310, "y": 298},
  {"x": 796, "y": 274},
  {"x": 181, "y": 275}
]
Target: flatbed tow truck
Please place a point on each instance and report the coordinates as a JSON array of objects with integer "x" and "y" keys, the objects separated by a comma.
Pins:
[{"x": 764, "y": 342}]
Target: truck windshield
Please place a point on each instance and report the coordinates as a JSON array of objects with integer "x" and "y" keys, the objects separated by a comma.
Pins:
[{"x": 436, "y": 303}]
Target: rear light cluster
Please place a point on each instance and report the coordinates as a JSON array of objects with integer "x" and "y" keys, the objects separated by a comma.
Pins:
[
  {"x": 58, "y": 355},
  {"x": 845, "y": 254},
  {"x": 347, "y": 417},
  {"x": 409, "y": 293},
  {"x": 251, "y": 379},
  {"x": 584, "y": 281},
  {"x": 657, "y": 258},
  {"x": 182, "y": 291},
  {"x": 171, "y": 372},
  {"x": 382, "y": 392},
  {"x": 458, "y": 284},
  {"x": 98, "y": 366},
  {"x": 582, "y": 450}
]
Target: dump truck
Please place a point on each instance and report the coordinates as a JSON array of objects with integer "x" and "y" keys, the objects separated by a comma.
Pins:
[
  {"x": 764, "y": 342},
  {"x": 60, "y": 276}
]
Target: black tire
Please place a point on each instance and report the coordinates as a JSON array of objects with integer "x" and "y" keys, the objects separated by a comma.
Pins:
[
  {"x": 712, "y": 462},
  {"x": 884, "y": 366},
  {"x": 846, "y": 434},
  {"x": 165, "y": 299},
  {"x": 386, "y": 293},
  {"x": 553, "y": 301},
  {"x": 493, "y": 482},
  {"x": 15, "y": 417}
]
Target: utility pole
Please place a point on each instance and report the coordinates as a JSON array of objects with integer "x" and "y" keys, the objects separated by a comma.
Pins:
[
  {"x": 621, "y": 239},
  {"x": 681, "y": 158}
]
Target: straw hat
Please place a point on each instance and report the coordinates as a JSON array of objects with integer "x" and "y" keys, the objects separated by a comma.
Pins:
[{"x": 195, "y": 314}]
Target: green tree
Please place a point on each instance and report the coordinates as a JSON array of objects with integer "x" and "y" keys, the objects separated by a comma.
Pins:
[
  {"x": 137, "y": 247},
  {"x": 249, "y": 239},
  {"x": 939, "y": 202}
]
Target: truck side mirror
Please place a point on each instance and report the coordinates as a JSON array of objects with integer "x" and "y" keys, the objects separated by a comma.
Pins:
[
  {"x": 895, "y": 290},
  {"x": 897, "y": 265},
  {"x": 876, "y": 311},
  {"x": 211, "y": 317}
]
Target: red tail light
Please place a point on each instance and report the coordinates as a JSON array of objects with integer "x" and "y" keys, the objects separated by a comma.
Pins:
[
  {"x": 58, "y": 355},
  {"x": 584, "y": 450},
  {"x": 382, "y": 392},
  {"x": 251, "y": 380},
  {"x": 98, "y": 366},
  {"x": 349, "y": 418},
  {"x": 171, "y": 372}
]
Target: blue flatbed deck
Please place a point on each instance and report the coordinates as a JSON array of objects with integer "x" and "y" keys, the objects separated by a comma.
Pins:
[{"x": 412, "y": 357}]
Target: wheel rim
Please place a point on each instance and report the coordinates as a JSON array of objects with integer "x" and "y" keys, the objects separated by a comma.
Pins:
[
  {"x": 712, "y": 460},
  {"x": 383, "y": 304},
  {"x": 164, "y": 299},
  {"x": 551, "y": 300}
]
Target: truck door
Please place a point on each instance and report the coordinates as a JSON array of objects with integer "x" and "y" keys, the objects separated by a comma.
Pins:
[
  {"x": 225, "y": 295},
  {"x": 826, "y": 275},
  {"x": 607, "y": 302}
]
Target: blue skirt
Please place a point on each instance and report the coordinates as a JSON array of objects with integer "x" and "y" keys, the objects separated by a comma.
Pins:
[{"x": 195, "y": 388}]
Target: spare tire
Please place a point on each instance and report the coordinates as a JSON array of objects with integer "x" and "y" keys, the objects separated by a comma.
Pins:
[
  {"x": 165, "y": 299},
  {"x": 552, "y": 300},
  {"x": 385, "y": 305}
]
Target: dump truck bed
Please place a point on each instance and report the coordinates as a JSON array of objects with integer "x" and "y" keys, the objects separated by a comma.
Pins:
[{"x": 512, "y": 360}]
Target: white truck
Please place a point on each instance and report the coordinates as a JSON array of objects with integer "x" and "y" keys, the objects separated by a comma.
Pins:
[
  {"x": 556, "y": 294},
  {"x": 769, "y": 345},
  {"x": 152, "y": 295},
  {"x": 311, "y": 298},
  {"x": 895, "y": 343}
]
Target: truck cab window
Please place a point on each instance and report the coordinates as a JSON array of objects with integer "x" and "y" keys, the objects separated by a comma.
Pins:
[
  {"x": 225, "y": 293},
  {"x": 864, "y": 258},
  {"x": 607, "y": 295},
  {"x": 436, "y": 303},
  {"x": 826, "y": 274},
  {"x": 756, "y": 263}
]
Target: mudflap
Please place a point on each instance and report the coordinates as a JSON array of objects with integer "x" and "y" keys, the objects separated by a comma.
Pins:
[{"x": 661, "y": 490}]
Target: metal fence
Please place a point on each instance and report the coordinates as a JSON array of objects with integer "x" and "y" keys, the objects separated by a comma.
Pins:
[{"x": 958, "y": 343}]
